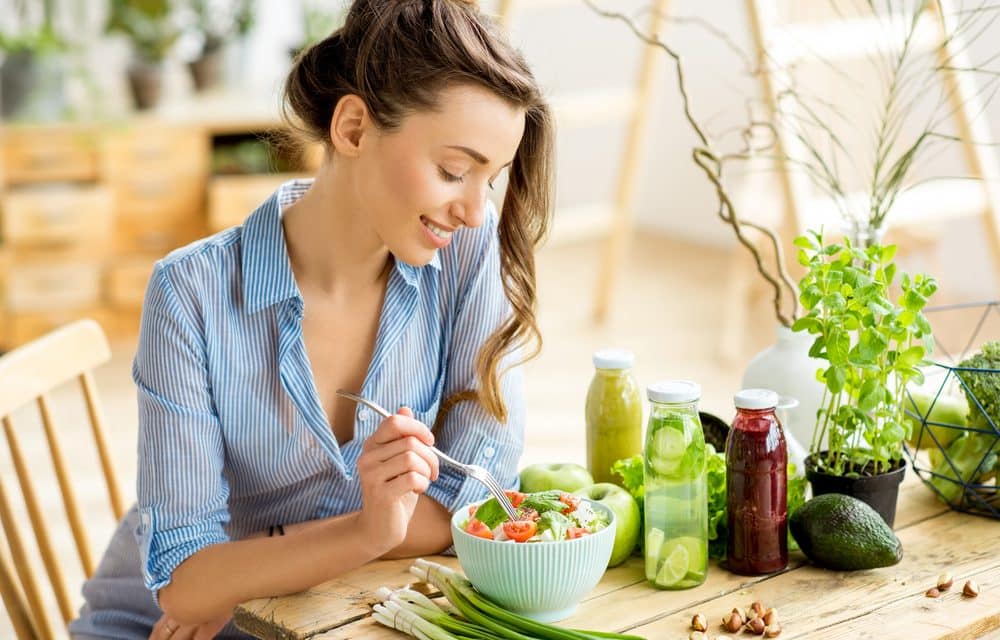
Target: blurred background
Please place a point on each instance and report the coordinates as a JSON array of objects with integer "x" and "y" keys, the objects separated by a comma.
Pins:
[{"x": 132, "y": 127}]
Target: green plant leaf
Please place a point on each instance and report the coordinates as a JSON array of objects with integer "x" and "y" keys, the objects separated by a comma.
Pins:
[
  {"x": 910, "y": 358},
  {"x": 835, "y": 378}
]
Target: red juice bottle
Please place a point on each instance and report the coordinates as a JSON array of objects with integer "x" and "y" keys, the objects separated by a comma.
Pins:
[{"x": 756, "y": 486}]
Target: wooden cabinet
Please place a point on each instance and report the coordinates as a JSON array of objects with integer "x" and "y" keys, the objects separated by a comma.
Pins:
[{"x": 86, "y": 210}]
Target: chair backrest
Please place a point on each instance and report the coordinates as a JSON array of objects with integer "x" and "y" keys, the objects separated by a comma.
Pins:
[{"x": 27, "y": 376}]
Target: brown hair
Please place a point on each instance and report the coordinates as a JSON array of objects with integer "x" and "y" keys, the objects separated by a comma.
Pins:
[{"x": 397, "y": 56}]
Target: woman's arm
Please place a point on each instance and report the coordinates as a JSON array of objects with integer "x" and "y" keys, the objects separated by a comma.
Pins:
[
  {"x": 210, "y": 583},
  {"x": 429, "y": 532},
  {"x": 395, "y": 467}
]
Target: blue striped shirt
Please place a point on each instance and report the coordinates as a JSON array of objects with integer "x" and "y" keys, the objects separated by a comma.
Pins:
[{"x": 232, "y": 435}]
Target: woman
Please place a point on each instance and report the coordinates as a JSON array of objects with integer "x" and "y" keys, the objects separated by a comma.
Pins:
[{"x": 389, "y": 274}]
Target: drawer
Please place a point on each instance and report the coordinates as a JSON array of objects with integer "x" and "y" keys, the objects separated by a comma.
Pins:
[
  {"x": 164, "y": 151},
  {"x": 156, "y": 236},
  {"x": 126, "y": 282},
  {"x": 45, "y": 286},
  {"x": 49, "y": 155},
  {"x": 159, "y": 196},
  {"x": 232, "y": 198},
  {"x": 55, "y": 215},
  {"x": 24, "y": 327}
]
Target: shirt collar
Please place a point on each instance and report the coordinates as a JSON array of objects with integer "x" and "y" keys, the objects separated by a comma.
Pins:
[{"x": 267, "y": 269}]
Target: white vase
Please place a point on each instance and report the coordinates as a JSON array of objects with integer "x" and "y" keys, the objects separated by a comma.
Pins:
[{"x": 785, "y": 367}]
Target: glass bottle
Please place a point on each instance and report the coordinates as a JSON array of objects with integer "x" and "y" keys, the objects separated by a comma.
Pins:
[
  {"x": 613, "y": 414},
  {"x": 756, "y": 486},
  {"x": 676, "y": 498}
]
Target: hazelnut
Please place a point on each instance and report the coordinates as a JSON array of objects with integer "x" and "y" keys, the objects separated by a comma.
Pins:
[
  {"x": 758, "y": 608},
  {"x": 756, "y": 626},
  {"x": 933, "y": 593},
  {"x": 698, "y": 623},
  {"x": 944, "y": 582},
  {"x": 697, "y": 635},
  {"x": 770, "y": 617},
  {"x": 733, "y": 622},
  {"x": 772, "y": 630},
  {"x": 749, "y": 615},
  {"x": 971, "y": 589}
]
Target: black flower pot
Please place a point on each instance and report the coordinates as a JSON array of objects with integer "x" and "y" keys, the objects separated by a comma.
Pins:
[{"x": 879, "y": 492}]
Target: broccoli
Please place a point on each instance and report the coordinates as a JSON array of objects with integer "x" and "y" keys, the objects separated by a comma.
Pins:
[
  {"x": 974, "y": 454},
  {"x": 983, "y": 386}
]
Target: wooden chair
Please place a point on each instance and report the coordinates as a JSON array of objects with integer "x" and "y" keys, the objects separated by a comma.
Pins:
[{"x": 28, "y": 375}]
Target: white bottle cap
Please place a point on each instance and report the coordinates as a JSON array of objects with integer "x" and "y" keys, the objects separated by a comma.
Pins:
[
  {"x": 674, "y": 391},
  {"x": 613, "y": 359},
  {"x": 756, "y": 399}
]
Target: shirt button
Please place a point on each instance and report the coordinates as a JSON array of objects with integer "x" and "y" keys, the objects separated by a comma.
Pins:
[
  {"x": 364, "y": 415},
  {"x": 489, "y": 452}
]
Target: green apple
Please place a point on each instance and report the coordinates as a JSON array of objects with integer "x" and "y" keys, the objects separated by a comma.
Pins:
[
  {"x": 566, "y": 477},
  {"x": 947, "y": 409},
  {"x": 628, "y": 520}
]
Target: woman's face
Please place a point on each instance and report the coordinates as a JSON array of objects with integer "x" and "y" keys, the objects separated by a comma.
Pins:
[{"x": 431, "y": 176}]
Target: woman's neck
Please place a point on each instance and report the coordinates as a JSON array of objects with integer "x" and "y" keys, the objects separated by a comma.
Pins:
[{"x": 331, "y": 243}]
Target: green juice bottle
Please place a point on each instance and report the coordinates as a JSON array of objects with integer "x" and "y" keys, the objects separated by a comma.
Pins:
[
  {"x": 614, "y": 413},
  {"x": 676, "y": 490}
]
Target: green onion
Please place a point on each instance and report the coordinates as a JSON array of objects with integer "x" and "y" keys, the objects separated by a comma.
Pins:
[
  {"x": 482, "y": 611},
  {"x": 422, "y": 606}
]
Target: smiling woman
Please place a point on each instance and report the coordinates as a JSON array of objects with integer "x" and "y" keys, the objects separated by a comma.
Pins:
[{"x": 390, "y": 274}]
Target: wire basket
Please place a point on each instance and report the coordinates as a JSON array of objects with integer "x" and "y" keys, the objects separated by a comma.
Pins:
[{"x": 960, "y": 438}]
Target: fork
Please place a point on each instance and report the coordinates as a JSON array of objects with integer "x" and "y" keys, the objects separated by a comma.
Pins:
[{"x": 472, "y": 470}]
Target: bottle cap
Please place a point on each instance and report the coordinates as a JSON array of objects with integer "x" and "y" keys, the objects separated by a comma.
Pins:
[
  {"x": 674, "y": 391},
  {"x": 613, "y": 359},
  {"x": 756, "y": 399}
]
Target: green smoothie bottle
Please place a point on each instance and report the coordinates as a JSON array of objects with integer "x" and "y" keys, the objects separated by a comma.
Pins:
[
  {"x": 676, "y": 490},
  {"x": 614, "y": 413}
]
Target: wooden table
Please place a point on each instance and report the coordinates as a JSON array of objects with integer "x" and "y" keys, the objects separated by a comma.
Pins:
[{"x": 812, "y": 603}]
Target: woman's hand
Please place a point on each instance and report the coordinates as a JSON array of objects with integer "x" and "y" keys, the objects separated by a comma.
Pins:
[
  {"x": 396, "y": 465},
  {"x": 168, "y": 629}
]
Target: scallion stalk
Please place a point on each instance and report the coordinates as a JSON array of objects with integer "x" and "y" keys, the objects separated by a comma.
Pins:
[{"x": 482, "y": 611}]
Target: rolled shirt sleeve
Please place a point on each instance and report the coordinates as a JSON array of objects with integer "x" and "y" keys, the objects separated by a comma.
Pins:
[
  {"x": 469, "y": 433},
  {"x": 182, "y": 493}
]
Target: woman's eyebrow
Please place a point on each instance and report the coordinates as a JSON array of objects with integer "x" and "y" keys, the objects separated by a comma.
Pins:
[{"x": 475, "y": 155}]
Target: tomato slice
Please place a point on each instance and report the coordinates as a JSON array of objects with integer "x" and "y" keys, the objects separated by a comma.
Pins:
[
  {"x": 571, "y": 502},
  {"x": 519, "y": 530},
  {"x": 515, "y": 497},
  {"x": 576, "y": 532},
  {"x": 478, "y": 529}
]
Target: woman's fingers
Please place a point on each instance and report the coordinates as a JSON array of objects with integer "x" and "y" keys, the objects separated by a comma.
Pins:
[
  {"x": 404, "y": 462},
  {"x": 384, "y": 453},
  {"x": 399, "y": 426}
]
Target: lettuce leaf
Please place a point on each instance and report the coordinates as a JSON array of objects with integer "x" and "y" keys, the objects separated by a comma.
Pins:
[
  {"x": 555, "y": 522},
  {"x": 630, "y": 471}
]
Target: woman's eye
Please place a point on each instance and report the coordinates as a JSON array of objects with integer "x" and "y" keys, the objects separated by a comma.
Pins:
[{"x": 450, "y": 177}]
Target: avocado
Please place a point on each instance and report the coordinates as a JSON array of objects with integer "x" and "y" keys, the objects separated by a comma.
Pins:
[{"x": 840, "y": 532}]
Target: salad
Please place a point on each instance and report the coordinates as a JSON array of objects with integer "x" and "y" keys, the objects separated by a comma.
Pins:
[{"x": 545, "y": 516}]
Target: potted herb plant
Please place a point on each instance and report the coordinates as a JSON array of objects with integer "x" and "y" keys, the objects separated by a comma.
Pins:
[
  {"x": 872, "y": 340},
  {"x": 32, "y": 73},
  {"x": 215, "y": 22},
  {"x": 151, "y": 27}
]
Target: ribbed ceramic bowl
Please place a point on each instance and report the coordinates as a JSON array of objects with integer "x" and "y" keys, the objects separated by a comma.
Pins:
[{"x": 541, "y": 580}]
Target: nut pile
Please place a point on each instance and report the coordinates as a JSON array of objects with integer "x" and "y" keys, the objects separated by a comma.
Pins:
[
  {"x": 756, "y": 620},
  {"x": 945, "y": 582}
]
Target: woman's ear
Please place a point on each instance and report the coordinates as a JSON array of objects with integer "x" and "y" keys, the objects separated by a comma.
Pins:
[{"x": 348, "y": 125}]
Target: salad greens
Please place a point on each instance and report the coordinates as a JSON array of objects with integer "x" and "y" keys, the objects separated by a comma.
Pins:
[
  {"x": 630, "y": 470},
  {"x": 544, "y": 516}
]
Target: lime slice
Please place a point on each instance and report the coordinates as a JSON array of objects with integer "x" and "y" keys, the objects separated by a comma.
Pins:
[
  {"x": 674, "y": 568},
  {"x": 654, "y": 542}
]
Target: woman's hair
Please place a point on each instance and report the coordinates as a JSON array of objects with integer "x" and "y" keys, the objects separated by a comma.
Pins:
[{"x": 398, "y": 56}]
